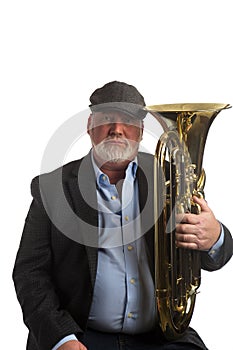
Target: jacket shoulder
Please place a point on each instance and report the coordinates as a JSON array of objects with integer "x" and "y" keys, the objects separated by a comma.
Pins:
[
  {"x": 65, "y": 169},
  {"x": 51, "y": 178}
]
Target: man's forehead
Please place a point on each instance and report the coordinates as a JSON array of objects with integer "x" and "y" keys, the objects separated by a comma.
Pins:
[{"x": 116, "y": 116}]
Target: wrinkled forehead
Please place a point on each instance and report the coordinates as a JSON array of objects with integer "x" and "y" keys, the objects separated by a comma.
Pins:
[{"x": 109, "y": 117}]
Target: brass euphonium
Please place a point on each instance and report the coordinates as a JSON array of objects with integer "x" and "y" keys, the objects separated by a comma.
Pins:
[{"x": 178, "y": 176}]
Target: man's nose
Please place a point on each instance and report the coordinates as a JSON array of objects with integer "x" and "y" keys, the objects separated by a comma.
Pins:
[{"x": 116, "y": 128}]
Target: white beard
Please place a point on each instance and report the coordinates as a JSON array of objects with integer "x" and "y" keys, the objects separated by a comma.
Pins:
[{"x": 116, "y": 153}]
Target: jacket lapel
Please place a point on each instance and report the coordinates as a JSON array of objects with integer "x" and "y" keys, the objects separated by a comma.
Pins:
[
  {"x": 82, "y": 191},
  {"x": 145, "y": 177}
]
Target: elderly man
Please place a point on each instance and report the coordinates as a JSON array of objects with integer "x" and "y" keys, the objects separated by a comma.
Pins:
[{"x": 88, "y": 284}]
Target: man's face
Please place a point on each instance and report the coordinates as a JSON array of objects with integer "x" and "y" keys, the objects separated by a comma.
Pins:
[{"x": 115, "y": 136}]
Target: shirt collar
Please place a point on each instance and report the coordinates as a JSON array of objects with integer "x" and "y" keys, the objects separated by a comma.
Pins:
[{"x": 130, "y": 172}]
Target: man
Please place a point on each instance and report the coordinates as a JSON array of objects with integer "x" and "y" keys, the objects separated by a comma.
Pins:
[{"x": 88, "y": 283}]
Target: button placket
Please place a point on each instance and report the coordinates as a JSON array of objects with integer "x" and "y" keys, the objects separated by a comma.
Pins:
[{"x": 130, "y": 253}]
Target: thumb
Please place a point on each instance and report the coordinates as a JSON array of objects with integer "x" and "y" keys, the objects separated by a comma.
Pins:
[{"x": 201, "y": 202}]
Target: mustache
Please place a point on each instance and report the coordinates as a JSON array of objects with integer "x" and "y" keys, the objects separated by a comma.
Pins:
[{"x": 117, "y": 139}]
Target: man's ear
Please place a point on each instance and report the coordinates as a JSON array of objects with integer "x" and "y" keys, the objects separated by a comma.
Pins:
[
  {"x": 141, "y": 132},
  {"x": 89, "y": 124}
]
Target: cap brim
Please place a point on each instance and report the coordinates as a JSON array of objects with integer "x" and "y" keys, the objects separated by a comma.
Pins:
[{"x": 131, "y": 109}]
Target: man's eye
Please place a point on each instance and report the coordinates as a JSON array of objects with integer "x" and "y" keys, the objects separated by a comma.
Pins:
[
  {"x": 108, "y": 118},
  {"x": 131, "y": 121}
]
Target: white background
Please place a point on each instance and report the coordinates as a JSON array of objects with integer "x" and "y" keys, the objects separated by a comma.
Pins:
[{"x": 55, "y": 53}]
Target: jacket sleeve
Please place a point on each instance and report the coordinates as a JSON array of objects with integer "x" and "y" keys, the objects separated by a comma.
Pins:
[
  {"x": 224, "y": 255},
  {"x": 33, "y": 279}
]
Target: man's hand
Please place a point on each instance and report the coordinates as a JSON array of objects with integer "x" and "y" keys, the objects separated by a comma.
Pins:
[
  {"x": 198, "y": 231},
  {"x": 72, "y": 345}
]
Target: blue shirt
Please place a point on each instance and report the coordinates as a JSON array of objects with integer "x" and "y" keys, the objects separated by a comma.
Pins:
[{"x": 123, "y": 298}]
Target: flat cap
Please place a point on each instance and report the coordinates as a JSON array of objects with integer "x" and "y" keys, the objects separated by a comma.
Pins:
[{"x": 118, "y": 96}]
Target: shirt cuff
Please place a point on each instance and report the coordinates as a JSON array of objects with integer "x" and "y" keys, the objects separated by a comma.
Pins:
[
  {"x": 213, "y": 252},
  {"x": 64, "y": 340}
]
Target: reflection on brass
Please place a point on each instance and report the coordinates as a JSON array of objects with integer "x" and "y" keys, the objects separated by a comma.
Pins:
[{"x": 178, "y": 176}]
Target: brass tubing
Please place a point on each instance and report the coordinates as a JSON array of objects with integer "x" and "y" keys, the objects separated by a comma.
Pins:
[{"x": 177, "y": 271}]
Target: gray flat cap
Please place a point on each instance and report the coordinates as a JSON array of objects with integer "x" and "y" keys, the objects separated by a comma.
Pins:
[{"x": 118, "y": 96}]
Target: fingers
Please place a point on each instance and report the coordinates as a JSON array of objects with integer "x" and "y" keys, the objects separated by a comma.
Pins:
[
  {"x": 187, "y": 241},
  {"x": 72, "y": 345},
  {"x": 197, "y": 231},
  {"x": 82, "y": 347},
  {"x": 202, "y": 202},
  {"x": 193, "y": 218},
  {"x": 187, "y": 231},
  {"x": 187, "y": 218}
]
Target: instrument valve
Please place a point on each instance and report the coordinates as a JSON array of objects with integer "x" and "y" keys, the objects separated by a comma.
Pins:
[
  {"x": 191, "y": 172},
  {"x": 193, "y": 290}
]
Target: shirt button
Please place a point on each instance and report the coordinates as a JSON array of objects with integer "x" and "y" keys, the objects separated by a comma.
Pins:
[
  {"x": 132, "y": 280},
  {"x": 130, "y": 315},
  {"x": 104, "y": 177},
  {"x": 129, "y": 248},
  {"x": 126, "y": 218},
  {"x": 113, "y": 198}
]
